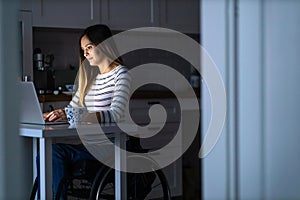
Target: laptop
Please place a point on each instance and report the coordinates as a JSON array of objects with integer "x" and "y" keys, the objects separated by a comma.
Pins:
[{"x": 30, "y": 110}]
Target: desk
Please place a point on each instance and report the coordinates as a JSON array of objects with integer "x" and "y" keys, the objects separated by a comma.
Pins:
[{"x": 42, "y": 135}]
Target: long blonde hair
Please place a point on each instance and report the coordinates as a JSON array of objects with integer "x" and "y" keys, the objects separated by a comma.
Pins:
[{"x": 87, "y": 74}]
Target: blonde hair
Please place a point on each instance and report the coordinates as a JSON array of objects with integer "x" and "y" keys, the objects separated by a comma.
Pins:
[{"x": 86, "y": 77}]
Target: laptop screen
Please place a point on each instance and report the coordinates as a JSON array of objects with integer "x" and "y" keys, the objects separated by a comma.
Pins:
[{"x": 30, "y": 109}]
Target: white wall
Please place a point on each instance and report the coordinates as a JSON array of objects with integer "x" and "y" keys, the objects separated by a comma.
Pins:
[
  {"x": 257, "y": 156},
  {"x": 282, "y": 97},
  {"x": 250, "y": 119},
  {"x": 11, "y": 162}
]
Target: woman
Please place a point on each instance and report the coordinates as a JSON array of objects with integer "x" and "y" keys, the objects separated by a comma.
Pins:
[{"x": 103, "y": 88}]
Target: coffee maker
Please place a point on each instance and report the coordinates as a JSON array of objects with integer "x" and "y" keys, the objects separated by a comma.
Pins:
[
  {"x": 43, "y": 71},
  {"x": 42, "y": 61}
]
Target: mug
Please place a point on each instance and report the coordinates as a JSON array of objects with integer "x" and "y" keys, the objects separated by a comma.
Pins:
[{"x": 75, "y": 115}]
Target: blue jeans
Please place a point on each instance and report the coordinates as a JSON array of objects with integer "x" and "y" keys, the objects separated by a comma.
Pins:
[{"x": 64, "y": 156}]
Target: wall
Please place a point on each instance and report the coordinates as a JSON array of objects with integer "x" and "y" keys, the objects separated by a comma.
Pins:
[
  {"x": 282, "y": 97},
  {"x": 12, "y": 164},
  {"x": 250, "y": 93},
  {"x": 255, "y": 44}
]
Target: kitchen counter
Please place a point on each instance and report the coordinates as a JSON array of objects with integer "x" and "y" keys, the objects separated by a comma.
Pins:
[
  {"x": 51, "y": 97},
  {"x": 160, "y": 94},
  {"x": 136, "y": 95}
]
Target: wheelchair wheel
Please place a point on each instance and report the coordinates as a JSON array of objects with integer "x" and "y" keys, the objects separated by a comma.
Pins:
[{"x": 139, "y": 185}]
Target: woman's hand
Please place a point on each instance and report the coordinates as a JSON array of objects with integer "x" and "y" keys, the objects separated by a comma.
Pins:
[{"x": 55, "y": 115}]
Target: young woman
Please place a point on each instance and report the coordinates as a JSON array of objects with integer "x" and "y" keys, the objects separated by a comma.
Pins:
[{"x": 103, "y": 88}]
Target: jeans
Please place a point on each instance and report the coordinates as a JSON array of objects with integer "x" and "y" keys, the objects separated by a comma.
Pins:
[{"x": 64, "y": 156}]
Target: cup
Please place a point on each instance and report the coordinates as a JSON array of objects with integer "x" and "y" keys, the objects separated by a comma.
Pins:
[{"x": 75, "y": 115}]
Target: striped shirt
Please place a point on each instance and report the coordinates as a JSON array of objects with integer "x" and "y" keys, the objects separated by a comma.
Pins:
[{"x": 108, "y": 95}]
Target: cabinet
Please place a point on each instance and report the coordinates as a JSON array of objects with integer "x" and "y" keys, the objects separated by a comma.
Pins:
[
  {"x": 180, "y": 15},
  {"x": 175, "y": 14},
  {"x": 139, "y": 109},
  {"x": 127, "y": 14},
  {"x": 66, "y": 14},
  {"x": 117, "y": 14}
]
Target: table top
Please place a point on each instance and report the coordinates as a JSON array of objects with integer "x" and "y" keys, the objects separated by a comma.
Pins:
[{"x": 65, "y": 130}]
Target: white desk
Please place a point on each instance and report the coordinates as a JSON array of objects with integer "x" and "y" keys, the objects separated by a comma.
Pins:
[{"x": 43, "y": 135}]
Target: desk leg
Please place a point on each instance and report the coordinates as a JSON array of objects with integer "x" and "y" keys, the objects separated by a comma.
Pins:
[
  {"x": 120, "y": 163},
  {"x": 46, "y": 168},
  {"x": 34, "y": 153}
]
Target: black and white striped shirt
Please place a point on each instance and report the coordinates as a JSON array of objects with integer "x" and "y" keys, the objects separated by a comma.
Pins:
[{"x": 108, "y": 95}]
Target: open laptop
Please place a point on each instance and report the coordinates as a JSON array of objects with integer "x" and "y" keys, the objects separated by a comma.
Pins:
[{"x": 30, "y": 110}]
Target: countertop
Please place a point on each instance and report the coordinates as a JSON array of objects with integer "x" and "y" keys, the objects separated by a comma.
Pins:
[
  {"x": 136, "y": 95},
  {"x": 52, "y": 97}
]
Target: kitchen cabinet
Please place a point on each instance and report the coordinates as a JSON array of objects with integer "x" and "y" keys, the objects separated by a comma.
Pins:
[
  {"x": 127, "y": 14},
  {"x": 139, "y": 109},
  {"x": 175, "y": 14},
  {"x": 26, "y": 5},
  {"x": 117, "y": 14},
  {"x": 180, "y": 15},
  {"x": 66, "y": 14}
]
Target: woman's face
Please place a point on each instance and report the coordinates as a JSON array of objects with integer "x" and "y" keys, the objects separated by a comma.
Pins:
[{"x": 91, "y": 52}]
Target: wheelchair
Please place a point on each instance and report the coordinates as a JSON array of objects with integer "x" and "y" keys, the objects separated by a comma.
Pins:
[{"x": 91, "y": 180}]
